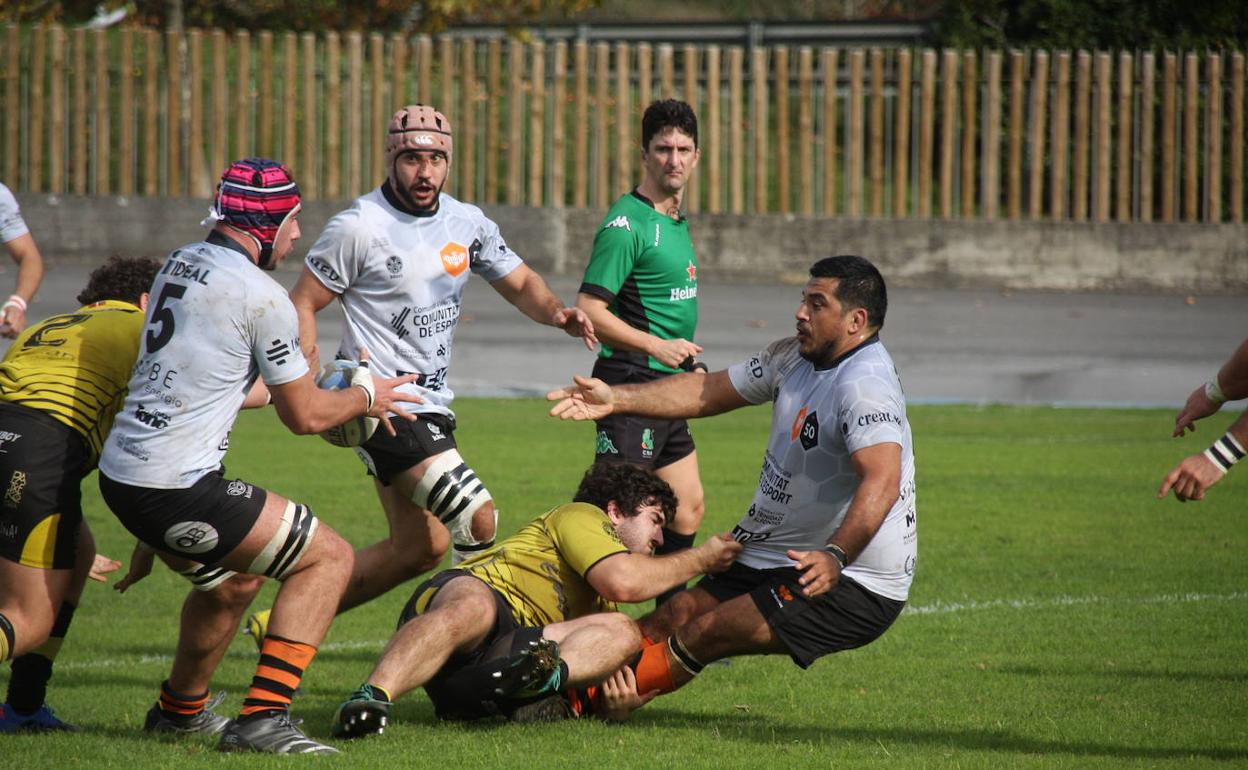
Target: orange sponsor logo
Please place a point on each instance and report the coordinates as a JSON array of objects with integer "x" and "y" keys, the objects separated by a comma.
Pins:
[
  {"x": 796, "y": 430},
  {"x": 454, "y": 258},
  {"x": 785, "y": 593}
]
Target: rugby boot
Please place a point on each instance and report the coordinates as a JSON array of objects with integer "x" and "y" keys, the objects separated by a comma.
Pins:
[
  {"x": 42, "y": 720},
  {"x": 273, "y": 733},
  {"x": 365, "y": 713},
  {"x": 206, "y": 722},
  {"x": 552, "y": 708},
  {"x": 529, "y": 673}
]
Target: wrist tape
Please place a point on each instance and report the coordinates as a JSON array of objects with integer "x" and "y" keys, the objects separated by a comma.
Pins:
[{"x": 1225, "y": 452}]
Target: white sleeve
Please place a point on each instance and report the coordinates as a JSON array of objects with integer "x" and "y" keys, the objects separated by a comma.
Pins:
[
  {"x": 871, "y": 412},
  {"x": 275, "y": 342},
  {"x": 338, "y": 253},
  {"x": 489, "y": 256},
  {"x": 755, "y": 379},
  {"x": 11, "y": 223}
]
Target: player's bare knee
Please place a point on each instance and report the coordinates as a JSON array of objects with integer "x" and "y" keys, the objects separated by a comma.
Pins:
[
  {"x": 237, "y": 592},
  {"x": 484, "y": 523}
]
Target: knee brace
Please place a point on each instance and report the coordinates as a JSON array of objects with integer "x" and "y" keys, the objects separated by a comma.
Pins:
[
  {"x": 288, "y": 544},
  {"x": 453, "y": 493}
]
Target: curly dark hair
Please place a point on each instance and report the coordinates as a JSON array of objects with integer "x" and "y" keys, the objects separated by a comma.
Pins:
[
  {"x": 120, "y": 278},
  {"x": 668, "y": 113},
  {"x": 630, "y": 486}
]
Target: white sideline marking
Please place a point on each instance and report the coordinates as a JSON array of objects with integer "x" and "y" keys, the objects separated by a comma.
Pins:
[
  {"x": 947, "y": 608},
  {"x": 936, "y": 608}
]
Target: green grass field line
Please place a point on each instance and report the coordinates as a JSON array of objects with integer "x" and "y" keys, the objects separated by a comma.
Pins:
[{"x": 1061, "y": 616}]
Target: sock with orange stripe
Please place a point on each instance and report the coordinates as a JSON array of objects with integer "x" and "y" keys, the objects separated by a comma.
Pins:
[
  {"x": 179, "y": 705},
  {"x": 282, "y": 663},
  {"x": 654, "y": 671}
]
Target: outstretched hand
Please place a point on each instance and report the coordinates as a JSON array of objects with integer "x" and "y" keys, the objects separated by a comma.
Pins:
[
  {"x": 1191, "y": 478},
  {"x": 384, "y": 393},
  {"x": 720, "y": 552},
  {"x": 101, "y": 566},
  {"x": 576, "y": 323},
  {"x": 140, "y": 566},
  {"x": 588, "y": 399},
  {"x": 1198, "y": 406}
]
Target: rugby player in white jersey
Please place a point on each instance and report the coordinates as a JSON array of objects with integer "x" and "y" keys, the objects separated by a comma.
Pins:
[
  {"x": 398, "y": 260},
  {"x": 215, "y": 324},
  {"x": 20, "y": 244},
  {"x": 830, "y": 537}
]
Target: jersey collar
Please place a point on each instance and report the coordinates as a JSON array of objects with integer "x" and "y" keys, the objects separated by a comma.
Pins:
[
  {"x": 218, "y": 238},
  {"x": 387, "y": 192},
  {"x": 868, "y": 342},
  {"x": 637, "y": 194}
]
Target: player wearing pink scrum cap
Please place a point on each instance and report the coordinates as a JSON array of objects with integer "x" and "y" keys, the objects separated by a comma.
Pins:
[
  {"x": 216, "y": 324},
  {"x": 398, "y": 260}
]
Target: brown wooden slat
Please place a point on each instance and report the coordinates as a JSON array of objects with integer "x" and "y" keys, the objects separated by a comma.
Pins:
[
  {"x": 102, "y": 125},
  {"x": 927, "y": 132},
  {"x": 710, "y": 146},
  {"x": 1083, "y": 89},
  {"x": 1059, "y": 136},
  {"x": 876, "y": 131},
  {"x": 758, "y": 127},
  {"x": 1035, "y": 139},
  {"x": 1148, "y": 69},
  {"x": 558, "y": 126},
  {"x": 901, "y": 136},
  {"x": 1191, "y": 137},
  {"x": 1017, "y": 131},
  {"x": 535, "y": 142},
  {"x": 948, "y": 129},
  {"x": 805, "y": 131},
  {"x": 1126, "y": 102},
  {"x": 580, "y": 126}
]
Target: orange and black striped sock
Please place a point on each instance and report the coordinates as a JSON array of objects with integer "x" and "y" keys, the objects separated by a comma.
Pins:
[
  {"x": 282, "y": 663},
  {"x": 654, "y": 671},
  {"x": 179, "y": 705}
]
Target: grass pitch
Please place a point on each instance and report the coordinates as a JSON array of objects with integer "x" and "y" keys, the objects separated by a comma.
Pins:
[{"x": 1061, "y": 615}]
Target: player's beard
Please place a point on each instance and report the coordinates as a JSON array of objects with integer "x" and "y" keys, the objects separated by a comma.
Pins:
[{"x": 405, "y": 195}]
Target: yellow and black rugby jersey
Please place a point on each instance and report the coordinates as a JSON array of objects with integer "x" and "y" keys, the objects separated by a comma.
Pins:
[
  {"x": 541, "y": 569},
  {"x": 75, "y": 367}
]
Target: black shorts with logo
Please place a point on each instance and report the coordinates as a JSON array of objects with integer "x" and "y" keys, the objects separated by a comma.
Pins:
[
  {"x": 846, "y": 617},
  {"x": 387, "y": 456},
  {"x": 462, "y": 688},
  {"x": 42, "y": 463},
  {"x": 203, "y": 522},
  {"x": 641, "y": 441}
]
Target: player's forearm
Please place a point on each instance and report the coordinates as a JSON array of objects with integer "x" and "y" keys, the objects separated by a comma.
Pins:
[
  {"x": 535, "y": 299},
  {"x": 30, "y": 266},
  {"x": 615, "y": 333},
  {"x": 866, "y": 514},
  {"x": 1233, "y": 376},
  {"x": 632, "y": 578},
  {"x": 678, "y": 396}
]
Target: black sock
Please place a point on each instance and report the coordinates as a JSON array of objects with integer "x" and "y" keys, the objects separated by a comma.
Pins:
[
  {"x": 672, "y": 542},
  {"x": 28, "y": 686}
]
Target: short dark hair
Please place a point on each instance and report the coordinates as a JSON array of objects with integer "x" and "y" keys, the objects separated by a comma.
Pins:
[
  {"x": 120, "y": 278},
  {"x": 665, "y": 114},
  {"x": 859, "y": 285},
  {"x": 630, "y": 486}
]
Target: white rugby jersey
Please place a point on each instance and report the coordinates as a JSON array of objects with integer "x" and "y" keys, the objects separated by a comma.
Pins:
[
  {"x": 11, "y": 223},
  {"x": 400, "y": 278},
  {"x": 819, "y": 419},
  {"x": 215, "y": 321}
]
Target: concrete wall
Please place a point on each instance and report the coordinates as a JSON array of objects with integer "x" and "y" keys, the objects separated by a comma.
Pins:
[{"x": 764, "y": 248}]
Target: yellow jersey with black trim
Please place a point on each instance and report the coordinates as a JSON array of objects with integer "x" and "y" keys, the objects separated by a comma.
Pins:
[
  {"x": 75, "y": 367},
  {"x": 541, "y": 569}
]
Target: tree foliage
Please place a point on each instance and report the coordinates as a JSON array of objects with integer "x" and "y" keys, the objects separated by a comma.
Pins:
[
  {"x": 298, "y": 15},
  {"x": 1094, "y": 24}
]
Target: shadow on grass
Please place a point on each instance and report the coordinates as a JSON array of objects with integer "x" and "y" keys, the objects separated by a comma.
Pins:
[{"x": 763, "y": 730}]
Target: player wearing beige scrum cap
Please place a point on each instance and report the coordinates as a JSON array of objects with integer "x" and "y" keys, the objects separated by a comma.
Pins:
[{"x": 398, "y": 260}]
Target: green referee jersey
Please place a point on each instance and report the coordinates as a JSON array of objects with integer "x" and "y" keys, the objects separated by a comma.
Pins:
[{"x": 643, "y": 265}]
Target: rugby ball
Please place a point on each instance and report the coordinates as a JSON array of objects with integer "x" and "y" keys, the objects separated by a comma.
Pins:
[{"x": 353, "y": 432}]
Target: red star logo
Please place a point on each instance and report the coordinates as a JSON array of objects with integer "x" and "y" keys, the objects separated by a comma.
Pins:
[{"x": 692, "y": 270}]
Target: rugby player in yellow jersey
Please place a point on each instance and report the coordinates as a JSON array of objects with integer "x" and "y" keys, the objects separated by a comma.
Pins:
[
  {"x": 536, "y": 613},
  {"x": 61, "y": 383}
]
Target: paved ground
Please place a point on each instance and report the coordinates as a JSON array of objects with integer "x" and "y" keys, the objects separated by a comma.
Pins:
[{"x": 950, "y": 346}]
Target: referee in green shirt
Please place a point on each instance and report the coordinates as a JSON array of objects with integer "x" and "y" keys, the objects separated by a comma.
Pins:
[{"x": 640, "y": 290}]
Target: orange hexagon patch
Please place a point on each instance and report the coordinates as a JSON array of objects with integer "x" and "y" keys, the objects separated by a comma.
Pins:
[{"x": 454, "y": 258}]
